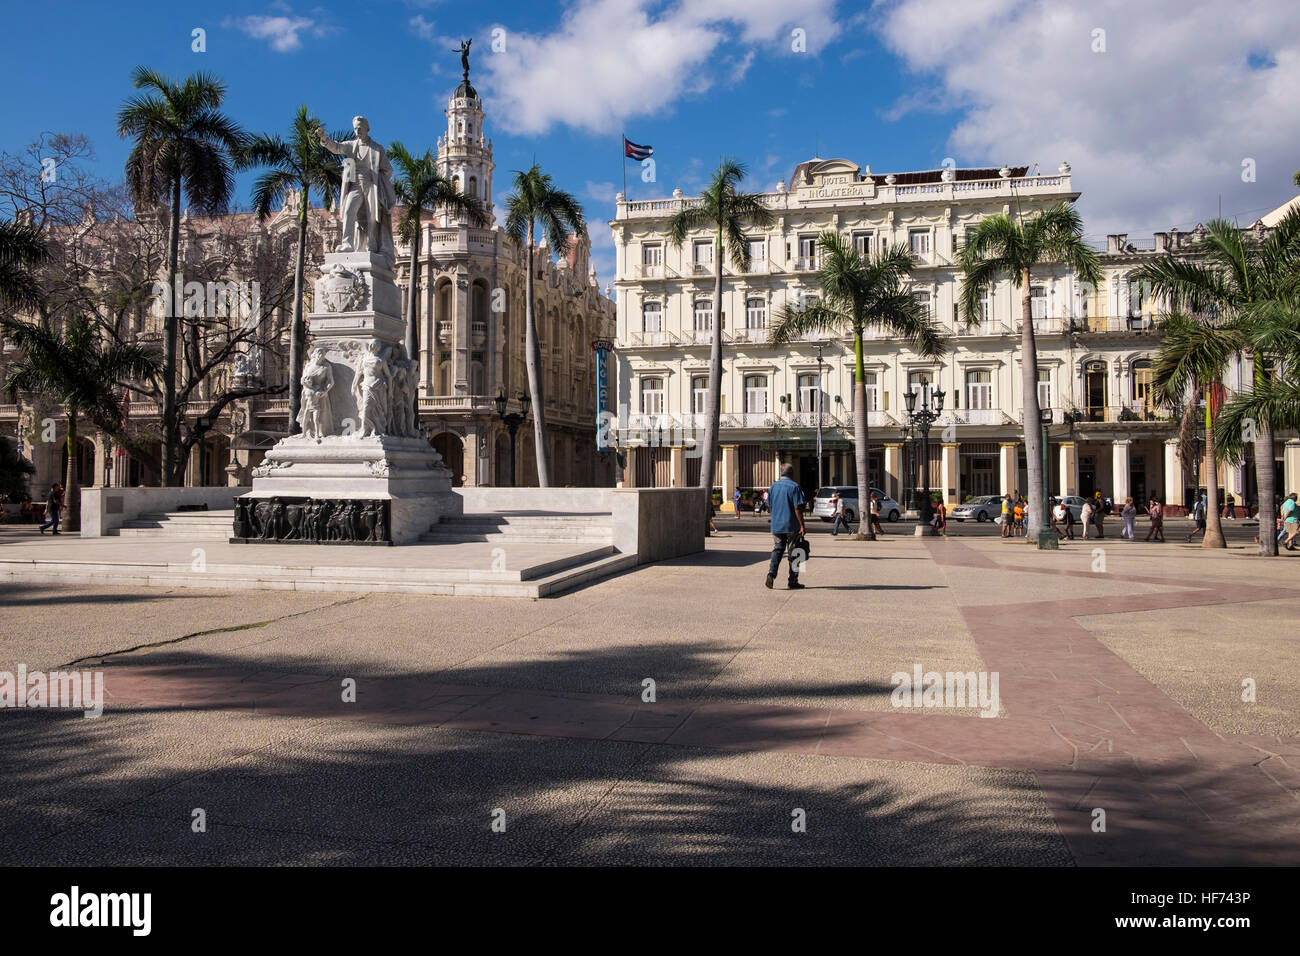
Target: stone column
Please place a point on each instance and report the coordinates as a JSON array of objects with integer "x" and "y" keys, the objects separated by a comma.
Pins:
[
  {"x": 1173, "y": 474},
  {"x": 102, "y": 451},
  {"x": 893, "y": 479},
  {"x": 1290, "y": 468},
  {"x": 1068, "y": 482},
  {"x": 629, "y": 466},
  {"x": 460, "y": 323},
  {"x": 1007, "y": 466},
  {"x": 1119, "y": 466},
  {"x": 951, "y": 473},
  {"x": 730, "y": 475}
]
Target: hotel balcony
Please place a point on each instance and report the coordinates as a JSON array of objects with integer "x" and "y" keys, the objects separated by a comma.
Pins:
[
  {"x": 973, "y": 416},
  {"x": 698, "y": 337},
  {"x": 1137, "y": 324},
  {"x": 654, "y": 339},
  {"x": 753, "y": 336},
  {"x": 988, "y": 328},
  {"x": 807, "y": 264},
  {"x": 473, "y": 404},
  {"x": 751, "y": 420}
]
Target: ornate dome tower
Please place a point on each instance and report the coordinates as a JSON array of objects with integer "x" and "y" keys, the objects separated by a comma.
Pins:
[{"x": 464, "y": 154}]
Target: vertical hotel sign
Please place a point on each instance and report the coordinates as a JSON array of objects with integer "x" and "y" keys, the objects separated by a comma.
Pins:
[{"x": 602, "y": 348}]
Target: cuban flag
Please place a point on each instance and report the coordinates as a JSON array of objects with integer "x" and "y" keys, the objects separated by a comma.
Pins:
[{"x": 635, "y": 151}]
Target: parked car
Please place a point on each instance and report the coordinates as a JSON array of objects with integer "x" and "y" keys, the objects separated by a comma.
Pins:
[
  {"x": 983, "y": 508},
  {"x": 889, "y": 509},
  {"x": 1075, "y": 504}
]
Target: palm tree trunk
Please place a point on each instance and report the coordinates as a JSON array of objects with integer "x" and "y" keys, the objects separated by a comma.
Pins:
[
  {"x": 170, "y": 424},
  {"x": 533, "y": 355},
  {"x": 412, "y": 319},
  {"x": 860, "y": 440},
  {"x": 71, "y": 493},
  {"x": 1266, "y": 488},
  {"x": 713, "y": 406},
  {"x": 297, "y": 333},
  {"x": 1032, "y": 426},
  {"x": 1213, "y": 537}
]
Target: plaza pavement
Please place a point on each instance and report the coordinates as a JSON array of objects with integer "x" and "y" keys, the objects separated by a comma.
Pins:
[{"x": 1120, "y": 690}]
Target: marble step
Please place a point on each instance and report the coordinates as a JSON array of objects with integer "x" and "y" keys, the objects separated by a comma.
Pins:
[{"x": 539, "y": 580}]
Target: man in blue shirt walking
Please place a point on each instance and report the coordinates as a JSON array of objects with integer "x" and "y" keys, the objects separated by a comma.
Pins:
[{"x": 787, "y": 501}]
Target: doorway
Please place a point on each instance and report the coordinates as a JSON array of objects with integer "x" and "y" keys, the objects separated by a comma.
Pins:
[{"x": 453, "y": 456}]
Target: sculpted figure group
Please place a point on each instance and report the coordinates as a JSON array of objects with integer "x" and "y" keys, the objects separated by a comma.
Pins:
[
  {"x": 384, "y": 387},
  {"x": 311, "y": 519}
]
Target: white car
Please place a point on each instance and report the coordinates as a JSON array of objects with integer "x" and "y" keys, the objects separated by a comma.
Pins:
[{"x": 889, "y": 509}]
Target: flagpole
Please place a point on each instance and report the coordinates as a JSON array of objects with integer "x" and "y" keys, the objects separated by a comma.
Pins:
[{"x": 624, "y": 160}]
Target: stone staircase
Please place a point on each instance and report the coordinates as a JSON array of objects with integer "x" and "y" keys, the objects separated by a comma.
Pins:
[
  {"x": 595, "y": 529},
  {"x": 207, "y": 525}
]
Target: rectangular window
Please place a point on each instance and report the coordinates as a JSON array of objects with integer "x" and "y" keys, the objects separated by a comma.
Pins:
[
  {"x": 979, "y": 389},
  {"x": 918, "y": 242},
  {"x": 755, "y": 395},
  {"x": 703, "y": 315},
  {"x": 702, "y": 253},
  {"x": 808, "y": 252},
  {"x": 862, "y": 243},
  {"x": 923, "y": 301},
  {"x": 757, "y": 254},
  {"x": 872, "y": 389},
  {"x": 652, "y": 317},
  {"x": 1045, "y": 388},
  {"x": 652, "y": 254},
  {"x": 1038, "y": 301},
  {"x": 652, "y": 396},
  {"x": 699, "y": 394},
  {"x": 756, "y": 314}
]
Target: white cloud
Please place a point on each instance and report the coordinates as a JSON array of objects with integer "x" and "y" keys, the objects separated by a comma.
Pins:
[
  {"x": 612, "y": 60},
  {"x": 1156, "y": 127},
  {"x": 601, "y": 192},
  {"x": 421, "y": 27},
  {"x": 283, "y": 30}
]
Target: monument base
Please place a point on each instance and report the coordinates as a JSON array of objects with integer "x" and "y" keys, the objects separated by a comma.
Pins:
[{"x": 340, "y": 489}]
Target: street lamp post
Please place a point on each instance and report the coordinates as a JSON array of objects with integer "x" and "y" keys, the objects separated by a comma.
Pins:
[
  {"x": 909, "y": 467},
  {"x": 1048, "y": 540},
  {"x": 512, "y": 422},
  {"x": 928, "y": 412},
  {"x": 820, "y": 479}
]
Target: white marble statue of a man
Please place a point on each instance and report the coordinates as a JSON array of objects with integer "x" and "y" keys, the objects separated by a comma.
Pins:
[
  {"x": 367, "y": 196},
  {"x": 316, "y": 416},
  {"x": 371, "y": 387}
]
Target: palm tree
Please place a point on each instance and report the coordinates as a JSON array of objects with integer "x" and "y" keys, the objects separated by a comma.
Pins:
[
  {"x": 1241, "y": 292},
  {"x": 300, "y": 165},
  {"x": 859, "y": 293},
  {"x": 724, "y": 212},
  {"x": 1003, "y": 247},
  {"x": 537, "y": 201},
  {"x": 21, "y": 248},
  {"x": 420, "y": 185},
  {"x": 183, "y": 144},
  {"x": 82, "y": 374}
]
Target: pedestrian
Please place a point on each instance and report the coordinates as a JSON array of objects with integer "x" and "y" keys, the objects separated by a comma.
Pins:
[
  {"x": 1058, "y": 511},
  {"x": 1007, "y": 507},
  {"x": 837, "y": 510},
  {"x": 1099, "y": 513},
  {"x": 763, "y": 507},
  {"x": 1018, "y": 519},
  {"x": 1085, "y": 517},
  {"x": 53, "y": 505},
  {"x": 1230, "y": 507},
  {"x": 874, "y": 514},
  {"x": 788, "y": 529},
  {"x": 1198, "y": 515},
  {"x": 735, "y": 503},
  {"x": 1291, "y": 520},
  {"x": 713, "y": 528},
  {"x": 1129, "y": 514},
  {"x": 1157, "y": 515},
  {"x": 940, "y": 517}
]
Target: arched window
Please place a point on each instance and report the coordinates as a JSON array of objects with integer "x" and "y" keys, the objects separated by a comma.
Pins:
[{"x": 473, "y": 185}]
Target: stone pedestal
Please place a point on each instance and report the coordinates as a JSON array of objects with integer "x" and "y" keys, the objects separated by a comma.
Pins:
[{"x": 359, "y": 473}]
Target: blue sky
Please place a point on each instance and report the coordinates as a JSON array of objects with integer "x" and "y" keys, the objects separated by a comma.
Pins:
[{"x": 1159, "y": 122}]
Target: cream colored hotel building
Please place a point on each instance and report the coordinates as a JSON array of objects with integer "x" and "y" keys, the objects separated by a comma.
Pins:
[{"x": 1095, "y": 349}]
